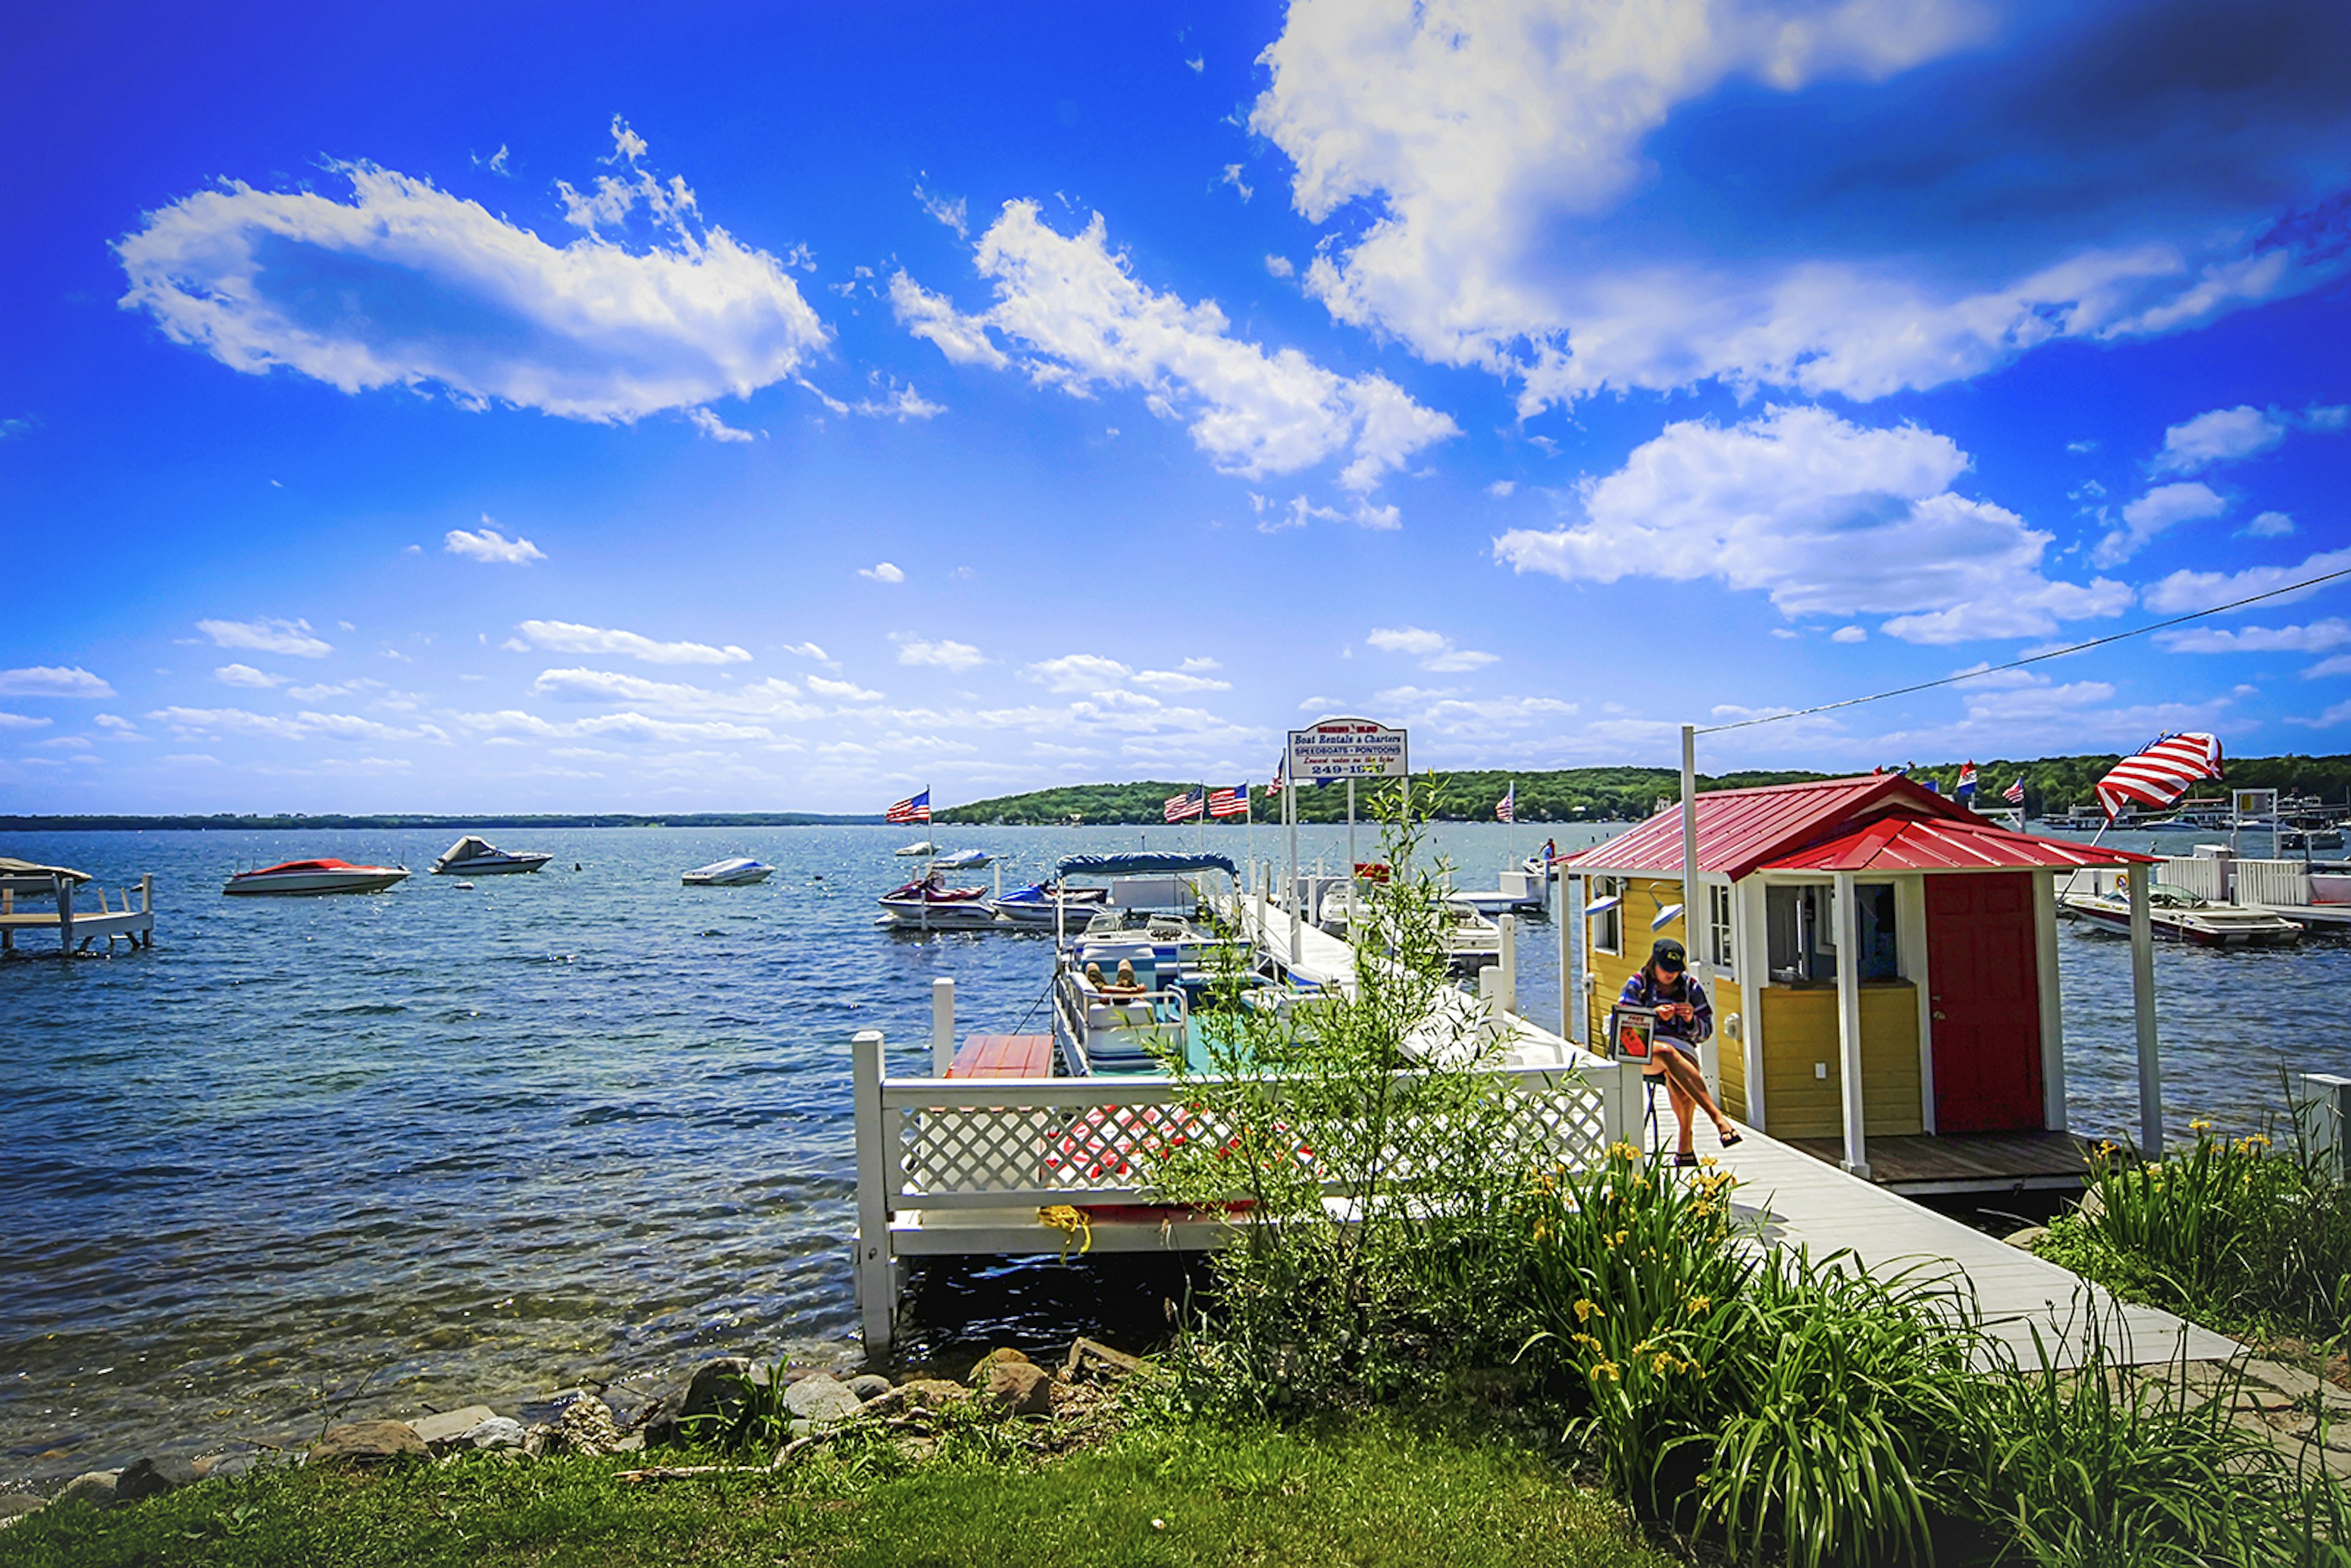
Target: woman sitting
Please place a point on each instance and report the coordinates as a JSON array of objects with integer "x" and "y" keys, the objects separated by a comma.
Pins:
[{"x": 1685, "y": 1021}]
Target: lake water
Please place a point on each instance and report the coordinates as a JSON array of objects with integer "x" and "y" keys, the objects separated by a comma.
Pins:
[{"x": 370, "y": 1152}]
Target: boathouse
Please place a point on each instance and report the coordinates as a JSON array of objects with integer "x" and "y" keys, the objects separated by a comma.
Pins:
[{"x": 1882, "y": 965}]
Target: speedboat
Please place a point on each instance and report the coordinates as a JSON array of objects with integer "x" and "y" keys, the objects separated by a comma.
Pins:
[
  {"x": 963, "y": 860},
  {"x": 471, "y": 856},
  {"x": 1034, "y": 904},
  {"x": 927, "y": 902},
  {"x": 315, "y": 876},
  {"x": 919, "y": 847},
  {"x": 740, "y": 872},
  {"x": 2177, "y": 915},
  {"x": 1472, "y": 941}
]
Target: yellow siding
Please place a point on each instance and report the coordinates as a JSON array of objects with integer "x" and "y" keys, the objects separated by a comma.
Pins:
[
  {"x": 1644, "y": 896},
  {"x": 1799, "y": 1029}
]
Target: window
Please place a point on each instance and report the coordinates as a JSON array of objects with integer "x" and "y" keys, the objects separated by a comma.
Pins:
[
  {"x": 1607, "y": 928},
  {"x": 1717, "y": 929},
  {"x": 1800, "y": 925}
]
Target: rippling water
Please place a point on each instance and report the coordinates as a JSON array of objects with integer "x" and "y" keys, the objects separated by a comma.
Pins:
[{"x": 376, "y": 1152}]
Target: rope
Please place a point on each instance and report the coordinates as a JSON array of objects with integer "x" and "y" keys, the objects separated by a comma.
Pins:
[
  {"x": 2030, "y": 658},
  {"x": 1071, "y": 1224}
]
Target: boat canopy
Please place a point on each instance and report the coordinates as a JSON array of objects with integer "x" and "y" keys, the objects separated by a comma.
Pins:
[
  {"x": 469, "y": 848},
  {"x": 13, "y": 867},
  {"x": 1142, "y": 865}
]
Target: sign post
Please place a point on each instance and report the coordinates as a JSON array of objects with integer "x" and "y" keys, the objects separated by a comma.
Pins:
[{"x": 1348, "y": 748}]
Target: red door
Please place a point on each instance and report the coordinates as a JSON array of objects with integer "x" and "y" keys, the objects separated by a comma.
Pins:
[{"x": 1984, "y": 968}]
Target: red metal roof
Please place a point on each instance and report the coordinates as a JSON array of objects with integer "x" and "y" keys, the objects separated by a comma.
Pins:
[
  {"x": 1741, "y": 831},
  {"x": 1918, "y": 843}
]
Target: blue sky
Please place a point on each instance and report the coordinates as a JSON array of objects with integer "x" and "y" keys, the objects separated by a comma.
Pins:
[{"x": 717, "y": 411}]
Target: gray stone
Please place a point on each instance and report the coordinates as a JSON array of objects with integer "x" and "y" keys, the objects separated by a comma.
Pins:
[
  {"x": 917, "y": 1393},
  {"x": 1020, "y": 1387},
  {"x": 153, "y": 1477},
  {"x": 1091, "y": 1356},
  {"x": 17, "y": 1504},
  {"x": 587, "y": 1427},
  {"x": 981, "y": 1367},
  {"x": 2023, "y": 1240},
  {"x": 95, "y": 1488},
  {"x": 821, "y": 1398},
  {"x": 365, "y": 1444},
  {"x": 492, "y": 1432},
  {"x": 870, "y": 1386},
  {"x": 442, "y": 1431},
  {"x": 227, "y": 1467}
]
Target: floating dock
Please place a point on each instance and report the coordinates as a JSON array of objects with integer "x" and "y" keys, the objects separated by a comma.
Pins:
[{"x": 76, "y": 928}]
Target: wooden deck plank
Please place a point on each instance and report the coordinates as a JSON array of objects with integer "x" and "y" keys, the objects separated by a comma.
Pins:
[{"x": 1004, "y": 1056}]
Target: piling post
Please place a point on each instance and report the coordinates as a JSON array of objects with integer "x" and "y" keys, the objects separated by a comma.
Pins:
[
  {"x": 64, "y": 885},
  {"x": 1493, "y": 1024},
  {"x": 876, "y": 1276},
  {"x": 2150, "y": 1065},
  {"x": 1848, "y": 985},
  {"x": 1571, "y": 933},
  {"x": 147, "y": 906},
  {"x": 942, "y": 1026},
  {"x": 1509, "y": 965},
  {"x": 2322, "y": 1109}
]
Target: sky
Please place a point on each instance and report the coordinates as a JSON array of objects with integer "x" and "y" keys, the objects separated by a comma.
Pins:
[{"x": 768, "y": 408}]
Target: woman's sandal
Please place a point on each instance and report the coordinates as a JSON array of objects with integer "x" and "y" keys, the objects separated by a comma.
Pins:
[
  {"x": 1731, "y": 1139},
  {"x": 1689, "y": 1158}
]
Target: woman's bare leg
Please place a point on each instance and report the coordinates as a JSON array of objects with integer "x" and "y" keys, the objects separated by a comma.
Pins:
[
  {"x": 1683, "y": 1107},
  {"x": 1687, "y": 1082}
]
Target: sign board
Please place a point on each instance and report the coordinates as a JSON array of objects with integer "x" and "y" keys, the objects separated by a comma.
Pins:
[{"x": 1347, "y": 749}]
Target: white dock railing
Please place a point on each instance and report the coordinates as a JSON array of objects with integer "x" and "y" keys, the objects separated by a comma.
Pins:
[
  {"x": 1014, "y": 1144},
  {"x": 2271, "y": 884}
]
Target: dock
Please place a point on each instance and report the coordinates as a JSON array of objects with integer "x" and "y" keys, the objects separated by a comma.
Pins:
[{"x": 76, "y": 928}]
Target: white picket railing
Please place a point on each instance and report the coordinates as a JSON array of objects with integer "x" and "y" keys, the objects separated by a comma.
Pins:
[
  {"x": 2269, "y": 884},
  {"x": 2202, "y": 876},
  {"x": 936, "y": 1144}
]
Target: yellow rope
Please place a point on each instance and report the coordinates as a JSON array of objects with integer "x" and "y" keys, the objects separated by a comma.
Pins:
[{"x": 1072, "y": 1226}]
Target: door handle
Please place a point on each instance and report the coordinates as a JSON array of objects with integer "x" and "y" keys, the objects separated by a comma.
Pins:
[{"x": 1939, "y": 1015}]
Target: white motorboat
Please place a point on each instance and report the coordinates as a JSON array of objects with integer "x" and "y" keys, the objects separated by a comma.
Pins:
[
  {"x": 739, "y": 871},
  {"x": 963, "y": 860},
  {"x": 928, "y": 903},
  {"x": 473, "y": 856},
  {"x": 919, "y": 847},
  {"x": 1519, "y": 890},
  {"x": 1034, "y": 905},
  {"x": 315, "y": 876},
  {"x": 2177, "y": 915},
  {"x": 1472, "y": 941}
]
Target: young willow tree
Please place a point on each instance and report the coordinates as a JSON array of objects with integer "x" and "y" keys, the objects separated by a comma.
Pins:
[{"x": 1359, "y": 1143}]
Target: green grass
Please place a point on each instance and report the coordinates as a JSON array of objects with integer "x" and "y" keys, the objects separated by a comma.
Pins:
[{"x": 1361, "y": 1492}]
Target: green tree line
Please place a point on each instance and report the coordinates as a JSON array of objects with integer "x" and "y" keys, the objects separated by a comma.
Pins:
[{"x": 2052, "y": 785}]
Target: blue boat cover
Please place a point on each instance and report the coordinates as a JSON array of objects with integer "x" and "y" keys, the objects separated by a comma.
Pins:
[{"x": 1141, "y": 864}]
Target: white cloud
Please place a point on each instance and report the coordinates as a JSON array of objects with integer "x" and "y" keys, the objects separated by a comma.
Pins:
[
  {"x": 405, "y": 285},
  {"x": 20, "y": 721},
  {"x": 119, "y": 726},
  {"x": 945, "y": 653},
  {"x": 489, "y": 545},
  {"x": 190, "y": 722},
  {"x": 1829, "y": 519},
  {"x": 52, "y": 681},
  {"x": 890, "y": 401},
  {"x": 2222, "y": 435},
  {"x": 1501, "y": 489},
  {"x": 771, "y": 699},
  {"x": 715, "y": 428},
  {"x": 1435, "y": 650},
  {"x": 2185, "y": 591},
  {"x": 2164, "y": 506},
  {"x": 1280, "y": 266},
  {"x": 1849, "y": 634},
  {"x": 841, "y": 691},
  {"x": 1092, "y": 672},
  {"x": 881, "y": 571},
  {"x": 2317, "y": 637},
  {"x": 2338, "y": 665},
  {"x": 950, "y": 213},
  {"x": 1233, "y": 178},
  {"x": 1176, "y": 682},
  {"x": 2270, "y": 526},
  {"x": 1082, "y": 322},
  {"x": 570, "y": 637},
  {"x": 810, "y": 650},
  {"x": 2326, "y": 720},
  {"x": 1484, "y": 145},
  {"x": 246, "y": 676},
  {"x": 267, "y": 634}
]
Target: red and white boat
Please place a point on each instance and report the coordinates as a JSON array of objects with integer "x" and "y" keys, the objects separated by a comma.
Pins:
[
  {"x": 315, "y": 876},
  {"x": 928, "y": 903}
]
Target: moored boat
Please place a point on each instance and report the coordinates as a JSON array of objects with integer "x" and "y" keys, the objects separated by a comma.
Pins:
[
  {"x": 475, "y": 856},
  {"x": 919, "y": 847},
  {"x": 289, "y": 877},
  {"x": 927, "y": 902},
  {"x": 963, "y": 860},
  {"x": 1035, "y": 906},
  {"x": 740, "y": 871},
  {"x": 2177, "y": 915}
]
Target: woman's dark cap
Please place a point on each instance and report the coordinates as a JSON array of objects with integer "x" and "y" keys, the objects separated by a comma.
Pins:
[{"x": 1667, "y": 954}]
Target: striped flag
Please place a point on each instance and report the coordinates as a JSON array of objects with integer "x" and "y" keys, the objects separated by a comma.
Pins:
[
  {"x": 1275, "y": 788},
  {"x": 1229, "y": 802},
  {"x": 1966, "y": 789},
  {"x": 912, "y": 809},
  {"x": 1506, "y": 810},
  {"x": 2014, "y": 793},
  {"x": 2160, "y": 774},
  {"x": 1185, "y": 807}
]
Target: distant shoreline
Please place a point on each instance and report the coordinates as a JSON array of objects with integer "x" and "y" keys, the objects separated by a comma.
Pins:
[{"x": 231, "y": 822}]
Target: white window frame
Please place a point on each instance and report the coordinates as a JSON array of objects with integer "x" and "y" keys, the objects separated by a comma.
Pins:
[
  {"x": 1604, "y": 886},
  {"x": 1719, "y": 952}
]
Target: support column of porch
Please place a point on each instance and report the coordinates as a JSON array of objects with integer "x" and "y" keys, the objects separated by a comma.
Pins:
[
  {"x": 2150, "y": 1067},
  {"x": 1847, "y": 917}
]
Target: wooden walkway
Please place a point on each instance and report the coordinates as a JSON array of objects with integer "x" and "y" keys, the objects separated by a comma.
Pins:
[
  {"x": 1967, "y": 1162},
  {"x": 1004, "y": 1056}
]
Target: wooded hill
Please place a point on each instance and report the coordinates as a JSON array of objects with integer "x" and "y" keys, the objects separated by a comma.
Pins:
[{"x": 2052, "y": 784}]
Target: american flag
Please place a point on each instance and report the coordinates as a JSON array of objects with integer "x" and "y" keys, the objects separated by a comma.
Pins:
[
  {"x": 1506, "y": 810},
  {"x": 2161, "y": 773},
  {"x": 912, "y": 809},
  {"x": 1967, "y": 780},
  {"x": 1275, "y": 788},
  {"x": 1185, "y": 807},
  {"x": 2014, "y": 793},
  {"x": 1229, "y": 802}
]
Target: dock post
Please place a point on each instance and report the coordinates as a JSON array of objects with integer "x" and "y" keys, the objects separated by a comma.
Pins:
[
  {"x": 64, "y": 914},
  {"x": 1509, "y": 965},
  {"x": 147, "y": 905},
  {"x": 1848, "y": 984},
  {"x": 876, "y": 1276},
  {"x": 1619, "y": 1083},
  {"x": 1493, "y": 1024},
  {"x": 942, "y": 1026},
  {"x": 1570, "y": 934},
  {"x": 2150, "y": 1065},
  {"x": 2322, "y": 1112}
]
